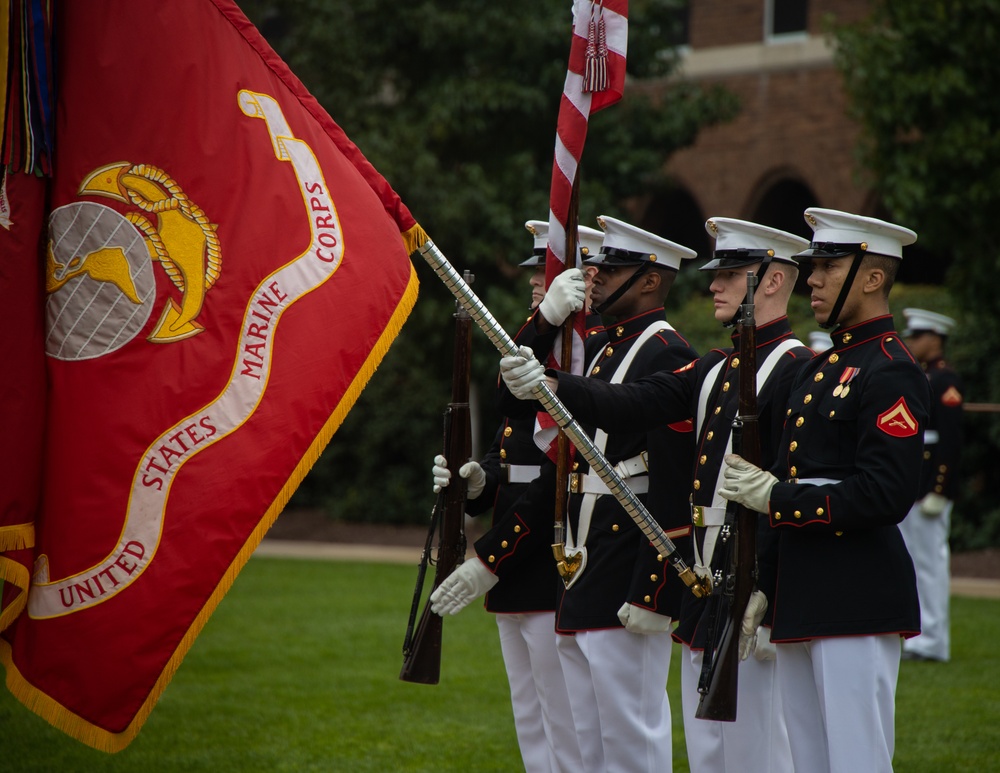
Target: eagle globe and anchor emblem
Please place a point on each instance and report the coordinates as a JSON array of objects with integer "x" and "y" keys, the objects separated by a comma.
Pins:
[{"x": 99, "y": 264}]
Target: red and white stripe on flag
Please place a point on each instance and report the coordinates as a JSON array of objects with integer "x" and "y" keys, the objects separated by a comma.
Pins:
[
  {"x": 602, "y": 26},
  {"x": 224, "y": 271}
]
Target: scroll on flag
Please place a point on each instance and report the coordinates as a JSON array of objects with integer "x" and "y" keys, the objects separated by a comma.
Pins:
[
  {"x": 595, "y": 79},
  {"x": 223, "y": 272}
]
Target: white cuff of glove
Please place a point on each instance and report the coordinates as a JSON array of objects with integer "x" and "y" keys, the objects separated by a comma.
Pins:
[
  {"x": 764, "y": 649},
  {"x": 932, "y": 505},
  {"x": 473, "y": 472},
  {"x": 467, "y": 583},
  {"x": 641, "y": 620},
  {"x": 746, "y": 483},
  {"x": 440, "y": 473},
  {"x": 521, "y": 373},
  {"x": 564, "y": 296},
  {"x": 756, "y": 607}
]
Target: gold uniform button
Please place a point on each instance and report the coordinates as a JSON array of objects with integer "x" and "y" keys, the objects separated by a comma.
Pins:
[
  {"x": 503, "y": 544},
  {"x": 943, "y": 468},
  {"x": 576, "y": 466},
  {"x": 710, "y": 435},
  {"x": 736, "y": 362},
  {"x": 847, "y": 338},
  {"x": 653, "y": 577},
  {"x": 800, "y": 421},
  {"x": 508, "y": 431},
  {"x": 647, "y": 599},
  {"x": 889, "y": 339},
  {"x": 615, "y": 527},
  {"x": 797, "y": 513},
  {"x": 718, "y": 410},
  {"x": 788, "y": 412},
  {"x": 777, "y": 516},
  {"x": 818, "y": 377},
  {"x": 819, "y": 511},
  {"x": 807, "y": 399},
  {"x": 725, "y": 387},
  {"x": 697, "y": 485},
  {"x": 517, "y": 529},
  {"x": 938, "y": 489},
  {"x": 659, "y": 558},
  {"x": 833, "y": 358},
  {"x": 609, "y": 351},
  {"x": 503, "y": 453},
  {"x": 940, "y": 478},
  {"x": 491, "y": 559},
  {"x": 793, "y": 445},
  {"x": 832, "y": 414},
  {"x": 839, "y": 533},
  {"x": 927, "y": 454},
  {"x": 596, "y": 370},
  {"x": 619, "y": 331},
  {"x": 793, "y": 471},
  {"x": 702, "y": 459}
]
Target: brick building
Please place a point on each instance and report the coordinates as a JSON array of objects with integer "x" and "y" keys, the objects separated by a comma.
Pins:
[{"x": 791, "y": 146}]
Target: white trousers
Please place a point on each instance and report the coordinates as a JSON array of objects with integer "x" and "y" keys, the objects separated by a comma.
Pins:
[
  {"x": 927, "y": 540},
  {"x": 617, "y": 684},
  {"x": 839, "y": 698},
  {"x": 757, "y": 742},
  {"x": 543, "y": 718}
]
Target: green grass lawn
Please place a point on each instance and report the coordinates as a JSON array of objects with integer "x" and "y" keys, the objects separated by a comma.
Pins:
[{"x": 298, "y": 671}]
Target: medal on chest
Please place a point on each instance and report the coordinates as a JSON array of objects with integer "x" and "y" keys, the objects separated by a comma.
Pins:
[{"x": 843, "y": 389}]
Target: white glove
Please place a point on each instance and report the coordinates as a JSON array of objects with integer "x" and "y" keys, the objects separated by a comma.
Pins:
[
  {"x": 564, "y": 296},
  {"x": 521, "y": 373},
  {"x": 640, "y": 620},
  {"x": 471, "y": 471},
  {"x": 756, "y": 607},
  {"x": 746, "y": 483},
  {"x": 441, "y": 473},
  {"x": 932, "y": 505},
  {"x": 764, "y": 649},
  {"x": 467, "y": 583}
]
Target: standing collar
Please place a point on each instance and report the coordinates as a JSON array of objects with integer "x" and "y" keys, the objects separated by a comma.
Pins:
[{"x": 876, "y": 327}]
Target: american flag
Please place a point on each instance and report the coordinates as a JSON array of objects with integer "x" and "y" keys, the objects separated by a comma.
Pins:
[{"x": 595, "y": 79}]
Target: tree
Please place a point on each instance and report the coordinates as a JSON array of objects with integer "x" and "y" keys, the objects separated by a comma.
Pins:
[
  {"x": 922, "y": 78},
  {"x": 455, "y": 104}
]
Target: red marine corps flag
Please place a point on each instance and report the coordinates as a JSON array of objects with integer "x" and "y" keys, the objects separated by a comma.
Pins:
[{"x": 223, "y": 271}]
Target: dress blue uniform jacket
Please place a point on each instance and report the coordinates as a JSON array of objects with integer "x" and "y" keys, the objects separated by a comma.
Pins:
[
  {"x": 940, "y": 472},
  {"x": 856, "y": 416},
  {"x": 666, "y": 397},
  {"x": 622, "y": 565}
]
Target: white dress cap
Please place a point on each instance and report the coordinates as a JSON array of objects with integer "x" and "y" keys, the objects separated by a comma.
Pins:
[
  {"x": 833, "y": 228},
  {"x": 627, "y": 245},
  {"x": 590, "y": 240},
  {"x": 921, "y": 319},
  {"x": 742, "y": 243},
  {"x": 539, "y": 230}
]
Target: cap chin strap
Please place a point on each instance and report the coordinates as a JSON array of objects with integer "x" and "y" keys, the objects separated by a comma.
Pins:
[
  {"x": 760, "y": 273},
  {"x": 845, "y": 290},
  {"x": 611, "y": 299}
]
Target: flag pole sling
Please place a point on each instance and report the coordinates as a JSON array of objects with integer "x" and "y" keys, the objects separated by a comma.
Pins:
[{"x": 598, "y": 463}]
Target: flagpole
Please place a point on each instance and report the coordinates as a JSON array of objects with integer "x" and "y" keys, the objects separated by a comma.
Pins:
[
  {"x": 566, "y": 566},
  {"x": 598, "y": 463}
]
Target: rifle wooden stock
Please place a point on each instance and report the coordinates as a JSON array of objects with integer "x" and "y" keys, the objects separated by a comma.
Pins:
[
  {"x": 718, "y": 701},
  {"x": 422, "y": 654}
]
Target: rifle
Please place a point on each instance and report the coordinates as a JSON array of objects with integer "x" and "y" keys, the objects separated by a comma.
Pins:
[
  {"x": 422, "y": 651},
  {"x": 718, "y": 684}
]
